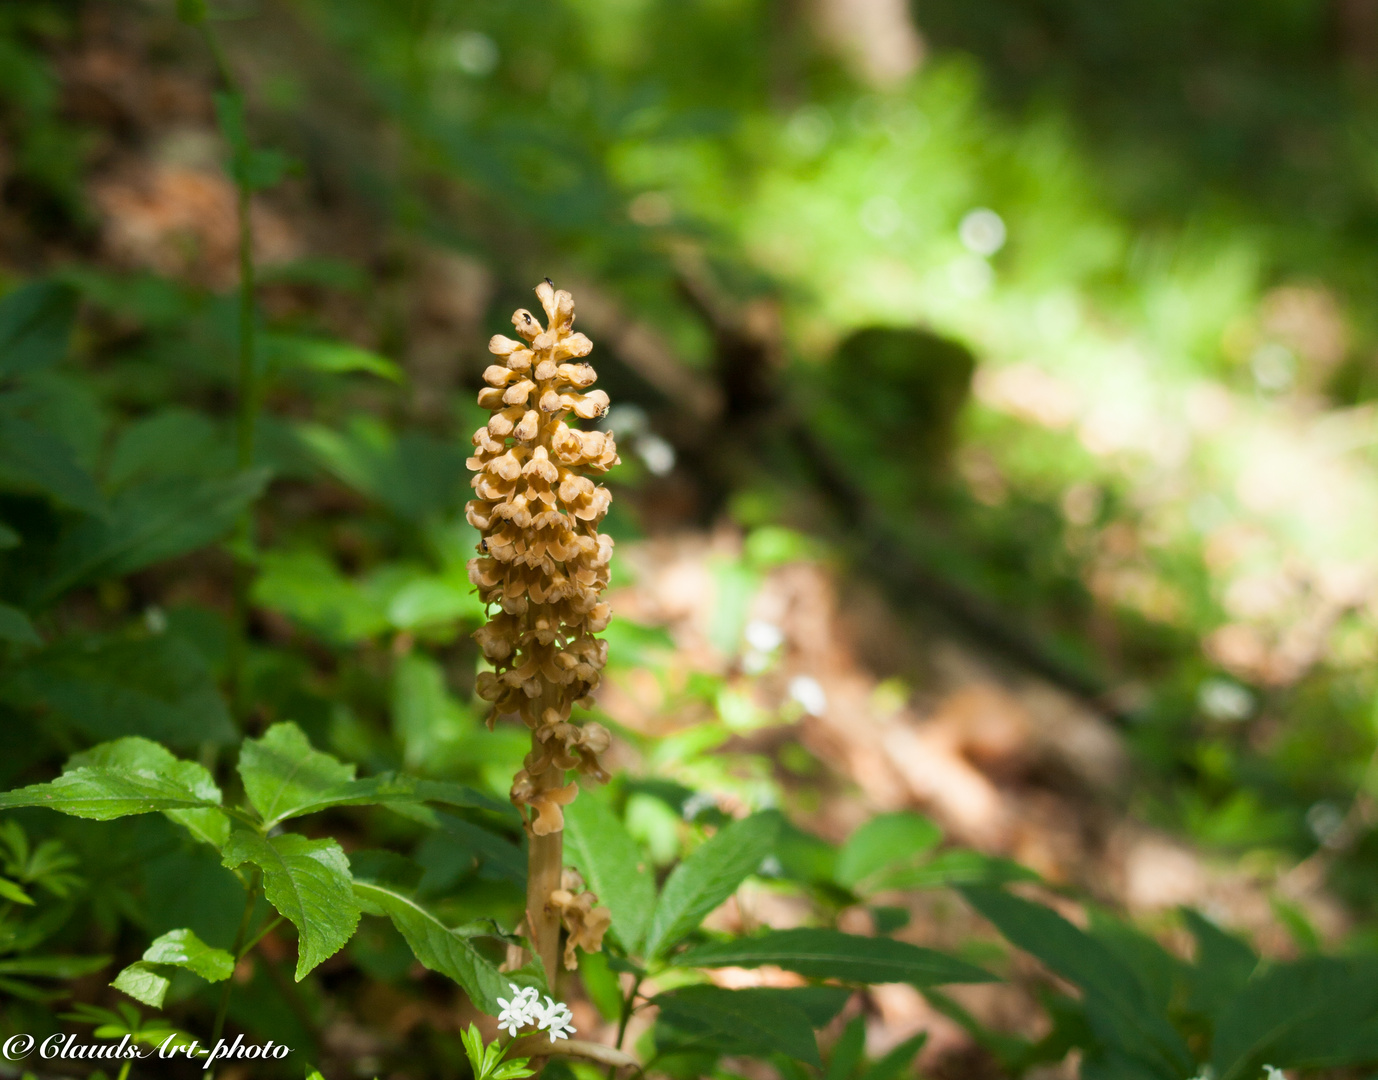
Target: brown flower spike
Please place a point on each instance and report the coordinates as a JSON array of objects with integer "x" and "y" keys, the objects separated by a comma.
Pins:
[{"x": 544, "y": 563}]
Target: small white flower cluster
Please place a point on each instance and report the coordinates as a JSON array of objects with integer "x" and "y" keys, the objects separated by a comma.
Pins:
[{"x": 525, "y": 1009}]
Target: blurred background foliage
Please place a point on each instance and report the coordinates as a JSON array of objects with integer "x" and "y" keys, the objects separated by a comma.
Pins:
[{"x": 1049, "y": 321}]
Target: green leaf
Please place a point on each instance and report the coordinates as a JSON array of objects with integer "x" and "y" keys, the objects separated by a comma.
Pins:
[
  {"x": 1118, "y": 1007},
  {"x": 1319, "y": 1012},
  {"x": 442, "y": 949},
  {"x": 432, "y": 601},
  {"x": 35, "y": 326},
  {"x": 13, "y": 893},
  {"x": 847, "y": 1050},
  {"x": 284, "y": 775},
  {"x": 820, "y": 1004},
  {"x": 474, "y": 1051},
  {"x": 142, "y": 755},
  {"x": 191, "y": 12},
  {"x": 882, "y": 842},
  {"x": 53, "y": 967},
  {"x": 35, "y": 459},
  {"x": 322, "y": 354},
  {"x": 708, "y": 877},
  {"x": 307, "y": 587},
  {"x": 158, "y": 687},
  {"x": 739, "y": 1021},
  {"x": 144, "y": 983},
  {"x": 824, "y": 954},
  {"x": 413, "y": 475},
  {"x": 1223, "y": 965},
  {"x": 151, "y": 522},
  {"x": 897, "y": 1062},
  {"x": 183, "y": 949},
  {"x": 949, "y": 869},
  {"x": 308, "y": 881},
  {"x": 170, "y": 442},
  {"x": 601, "y": 849},
  {"x": 129, "y": 776},
  {"x": 15, "y": 627},
  {"x": 23, "y": 990}
]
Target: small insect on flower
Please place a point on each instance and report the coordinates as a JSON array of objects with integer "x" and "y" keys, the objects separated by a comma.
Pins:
[
  {"x": 555, "y": 1018},
  {"x": 523, "y": 1009}
]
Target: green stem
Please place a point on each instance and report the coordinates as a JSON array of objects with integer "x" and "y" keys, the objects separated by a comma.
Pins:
[
  {"x": 624, "y": 1019},
  {"x": 246, "y": 417},
  {"x": 237, "y": 951},
  {"x": 268, "y": 928},
  {"x": 246, "y": 420},
  {"x": 124, "y": 1069}
]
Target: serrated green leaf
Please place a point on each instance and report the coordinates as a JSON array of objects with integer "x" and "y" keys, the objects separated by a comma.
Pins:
[
  {"x": 1318, "y": 1012},
  {"x": 1118, "y": 1008},
  {"x": 600, "y": 848},
  {"x": 708, "y": 877},
  {"x": 283, "y": 774},
  {"x": 144, "y": 983},
  {"x": 35, "y": 326},
  {"x": 285, "y": 777},
  {"x": 120, "y": 778},
  {"x": 882, "y": 842},
  {"x": 308, "y": 881},
  {"x": 142, "y": 755},
  {"x": 147, "y": 981},
  {"x": 158, "y": 687},
  {"x": 822, "y": 954},
  {"x": 183, "y": 949},
  {"x": 150, "y": 522},
  {"x": 442, "y": 949},
  {"x": 739, "y": 1021}
]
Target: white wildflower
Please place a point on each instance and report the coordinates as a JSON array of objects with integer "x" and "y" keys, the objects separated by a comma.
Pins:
[
  {"x": 523, "y": 1009},
  {"x": 555, "y": 1018},
  {"x": 1272, "y": 1072}
]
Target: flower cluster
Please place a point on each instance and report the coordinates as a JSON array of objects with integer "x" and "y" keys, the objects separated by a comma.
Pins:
[
  {"x": 586, "y": 923},
  {"x": 543, "y": 561},
  {"x": 526, "y": 1009}
]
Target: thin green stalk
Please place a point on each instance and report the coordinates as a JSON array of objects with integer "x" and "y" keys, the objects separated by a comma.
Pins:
[
  {"x": 625, "y": 1019},
  {"x": 248, "y": 403},
  {"x": 246, "y": 420},
  {"x": 268, "y": 927},
  {"x": 237, "y": 951}
]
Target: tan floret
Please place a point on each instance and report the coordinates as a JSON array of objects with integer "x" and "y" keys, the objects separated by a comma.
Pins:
[{"x": 542, "y": 560}]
